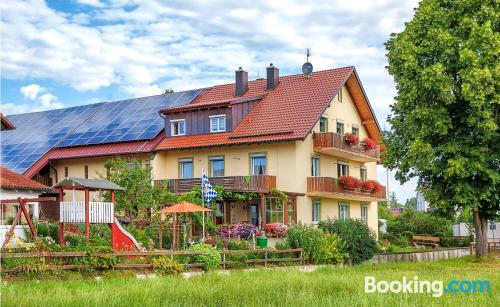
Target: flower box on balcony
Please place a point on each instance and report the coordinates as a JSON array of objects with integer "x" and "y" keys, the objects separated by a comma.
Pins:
[
  {"x": 369, "y": 144},
  {"x": 349, "y": 182},
  {"x": 370, "y": 186},
  {"x": 351, "y": 139}
]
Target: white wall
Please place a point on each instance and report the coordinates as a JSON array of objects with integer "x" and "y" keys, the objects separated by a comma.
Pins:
[{"x": 19, "y": 231}]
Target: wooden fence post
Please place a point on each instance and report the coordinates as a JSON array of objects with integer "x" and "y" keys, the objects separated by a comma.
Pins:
[
  {"x": 223, "y": 259},
  {"x": 265, "y": 258}
]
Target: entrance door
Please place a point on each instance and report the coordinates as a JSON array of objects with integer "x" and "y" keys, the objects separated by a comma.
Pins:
[{"x": 254, "y": 214}]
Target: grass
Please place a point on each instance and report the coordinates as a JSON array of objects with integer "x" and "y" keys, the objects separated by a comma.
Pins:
[{"x": 326, "y": 286}]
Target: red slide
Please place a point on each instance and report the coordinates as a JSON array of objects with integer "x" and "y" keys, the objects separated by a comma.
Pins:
[{"x": 122, "y": 239}]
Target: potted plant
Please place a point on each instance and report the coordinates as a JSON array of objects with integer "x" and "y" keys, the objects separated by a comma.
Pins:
[
  {"x": 351, "y": 139},
  {"x": 278, "y": 230},
  {"x": 369, "y": 144},
  {"x": 372, "y": 186},
  {"x": 349, "y": 182}
]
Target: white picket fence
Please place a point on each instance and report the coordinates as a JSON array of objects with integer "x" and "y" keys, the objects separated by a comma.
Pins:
[{"x": 74, "y": 212}]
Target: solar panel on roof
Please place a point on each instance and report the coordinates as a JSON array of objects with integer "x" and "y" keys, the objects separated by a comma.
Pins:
[
  {"x": 117, "y": 121},
  {"x": 127, "y": 120},
  {"x": 36, "y": 133}
]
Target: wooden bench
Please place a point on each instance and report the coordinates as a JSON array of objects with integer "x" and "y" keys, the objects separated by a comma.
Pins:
[{"x": 425, "y": 241}]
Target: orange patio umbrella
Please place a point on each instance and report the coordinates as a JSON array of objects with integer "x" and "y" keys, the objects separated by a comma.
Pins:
[{"x": 182, "y": 207}]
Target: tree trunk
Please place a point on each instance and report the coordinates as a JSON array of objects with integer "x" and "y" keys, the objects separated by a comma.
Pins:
[{"x": 481, "y": 227}]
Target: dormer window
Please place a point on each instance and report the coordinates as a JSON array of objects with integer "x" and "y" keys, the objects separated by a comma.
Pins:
[
  {"x": 178, "y": 127},
  {"x": 218, "y": 123}
]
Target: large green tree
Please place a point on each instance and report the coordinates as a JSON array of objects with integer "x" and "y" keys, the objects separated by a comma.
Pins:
[
  {"x": 444, "y": 122},
  {"x": 139, "y": 192}
]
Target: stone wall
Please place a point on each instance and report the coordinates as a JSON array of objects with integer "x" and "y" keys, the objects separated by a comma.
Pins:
[{"x": 418, "y": 256}]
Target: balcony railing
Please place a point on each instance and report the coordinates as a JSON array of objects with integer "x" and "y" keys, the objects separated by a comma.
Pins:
[
  {"x": 329, "y": 185},
  {"x": 331, "y": 140},
  {"x": 261, "y": 183},
  {"x": 74, "y": 212}
]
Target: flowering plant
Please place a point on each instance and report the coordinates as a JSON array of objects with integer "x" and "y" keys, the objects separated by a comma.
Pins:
[
  {"x": 371, "y": 185},
  {"x": 226, "y": 231},
  {"x": 276, "y": 229},
  {"x": 351, "y": 139},
  {"x": 245, "y": 231},
  {"x": 369, "y": 143},
  {"x": 349, "y": 182}
]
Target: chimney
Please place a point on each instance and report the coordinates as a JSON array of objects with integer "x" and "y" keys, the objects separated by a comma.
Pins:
[
  {"x": 273, "y": 77},
  {"x": 241, "y": 82}
]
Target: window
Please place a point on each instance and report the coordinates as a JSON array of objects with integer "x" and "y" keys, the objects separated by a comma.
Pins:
[
  {"x": 66, "y": 171},
  {"x": 291, "y": 211},
  {"x": 258, "y": 164},
  {"x": 493, "y": 225},
  {"x": 339, "y": 96},
  {"x": 86, "y": 171},
  {"x": 323, "y": 124},
  {"x": 274, "y": 210},
  {"x": 216, "y": 166},
  {"x": 218, "y": 123},
  {"x": 343, "y": 211},
  {"x": 362, "y": 173},
  {"x": 355, "y": 130},
  {"x": 364, "y": 214},
  {"x": 315, "y": 166},
  {"x": 342, "y": 169},
  {"x": 340, "y": 127},
  {"x": 186, "y": 168},
  {"x": 178, "y": 127},
  {"x": 316, "y": 211}
]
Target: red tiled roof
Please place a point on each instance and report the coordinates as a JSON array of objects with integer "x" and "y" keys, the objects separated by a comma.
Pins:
[
  {"x": 12, "y": 180},
  {"x": 94, "y": 151},
  {"x": 6, "y": 122},
  {"x": 288, "y": 112}
]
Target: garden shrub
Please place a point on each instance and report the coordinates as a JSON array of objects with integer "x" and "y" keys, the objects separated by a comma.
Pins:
[
  {"x": 48, "y": 230},
  {"x": 166, "y": 266},
  {"x": 359, "y": 241},
  {"x": 100, "y": 234},
  {"x": 75, "y": 239},
  {"x": 211, "y": 259},
  {"x": 238, "y": 245},
  {"x": 308, "y": 238},
  {"x": 331, "y": 249},
  {"x": 411, "y": 222},
  {"x": 91, "y": 261}
]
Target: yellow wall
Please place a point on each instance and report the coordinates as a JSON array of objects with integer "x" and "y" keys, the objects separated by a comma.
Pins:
[{"x": 289, "y": 162}]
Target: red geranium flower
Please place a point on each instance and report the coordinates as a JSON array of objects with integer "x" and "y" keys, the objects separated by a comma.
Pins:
[
  {"x": 371, "y": 185},
  {"x": 351, "y": 139},
  {"x": 369, "y": 143},
  {"x": 349, "y": 182}
]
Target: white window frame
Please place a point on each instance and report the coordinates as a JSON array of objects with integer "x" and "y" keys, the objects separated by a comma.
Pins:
[
  {"x": 355, "y": 127},
  {"x": 341, "y": 217},
  {"x": 340, "y": 167},
  {"x": 364, "y": 217},
  {"x": 316, "y": 203},
  {"x": 315, "y": 169},
  {"x": 174, "y": 122},
  {"x": 181, "y": 163},
  {"x": 361, "y": 169},
  {"x": 325, "y": 118},
  {"x": 218, "y": 118},
  {"x": 217, "y": 158},
  {"x": 252, "y": 165}
]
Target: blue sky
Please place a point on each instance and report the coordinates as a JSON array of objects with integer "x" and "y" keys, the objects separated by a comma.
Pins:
[{"x": 63, "y": 53}]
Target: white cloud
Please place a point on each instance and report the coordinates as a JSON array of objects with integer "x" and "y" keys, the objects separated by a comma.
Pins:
[
  {"x": 142, "y": 47},
  {"x": 31, "y": 91},
  {"x": 34, "y": 92},
  {"x": 95, "y": 3}
]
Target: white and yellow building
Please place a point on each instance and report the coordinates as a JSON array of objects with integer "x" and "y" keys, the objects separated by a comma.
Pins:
[{"x": 279, "y": 133}]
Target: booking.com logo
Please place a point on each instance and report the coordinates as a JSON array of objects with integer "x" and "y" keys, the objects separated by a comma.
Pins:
[{"x": 436, "y": 287}]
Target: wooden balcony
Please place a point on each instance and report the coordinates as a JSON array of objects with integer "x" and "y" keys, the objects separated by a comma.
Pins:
[
  {"x": 261, "y": 184},
  {"x": 333, "y": 144},
  {"x": 331, "y": 188}
]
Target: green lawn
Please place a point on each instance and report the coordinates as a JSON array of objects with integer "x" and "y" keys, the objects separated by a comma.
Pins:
[{"x": 326, "y": 286}]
